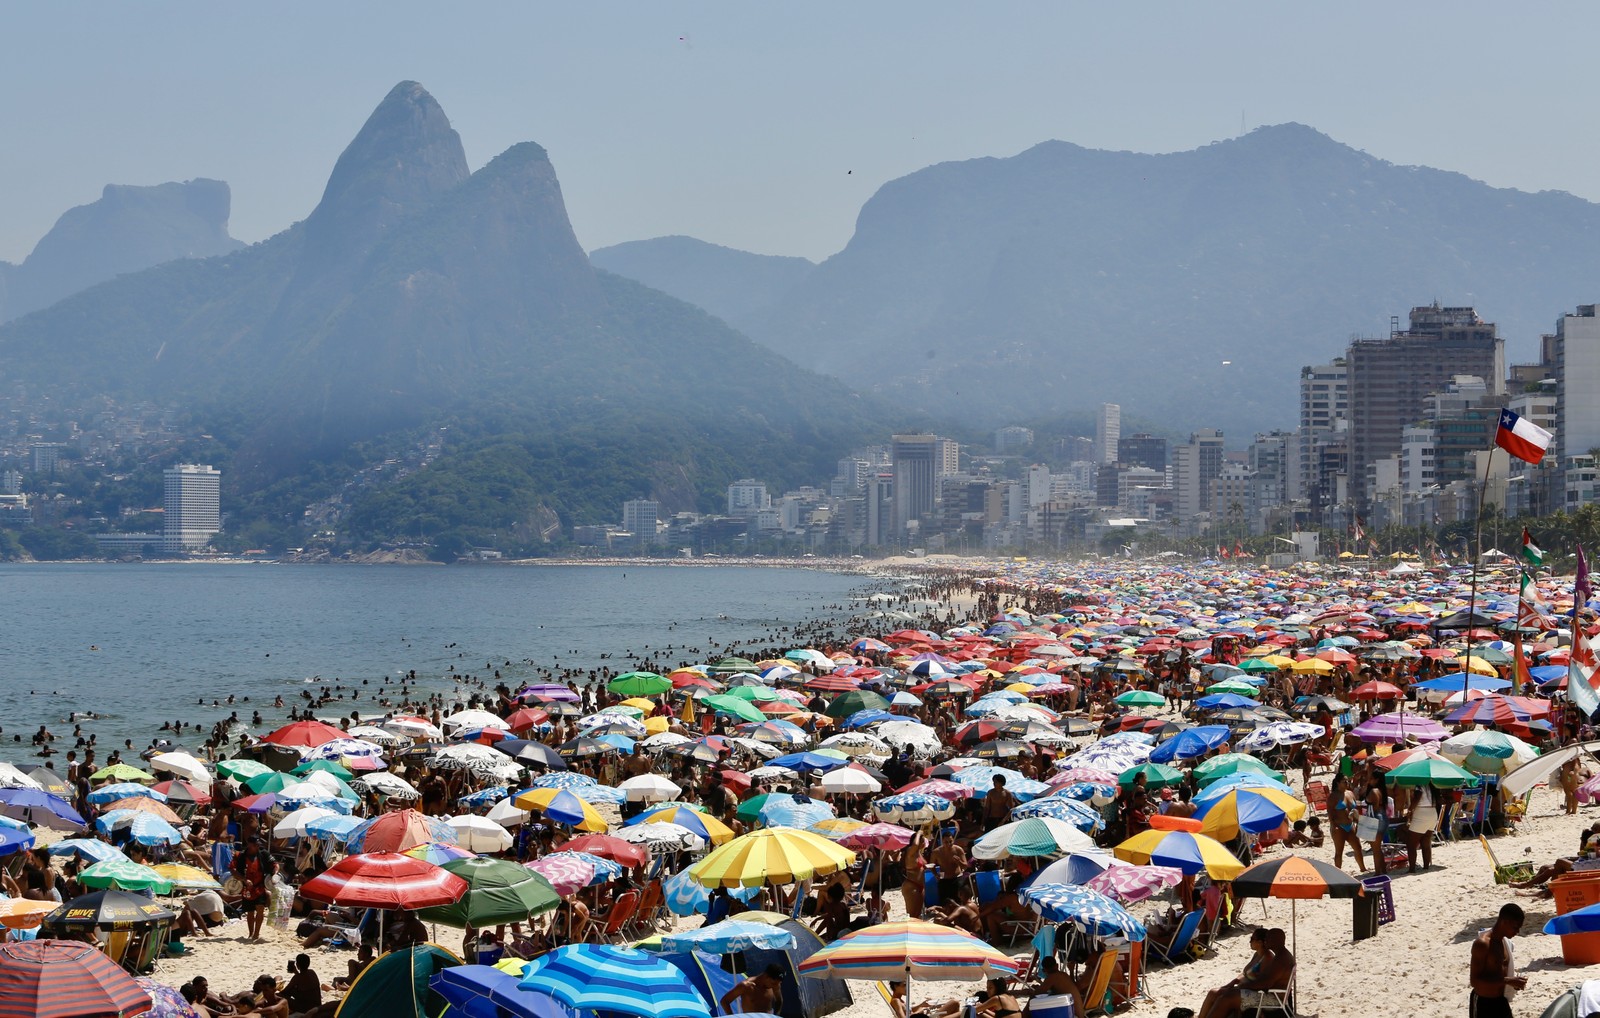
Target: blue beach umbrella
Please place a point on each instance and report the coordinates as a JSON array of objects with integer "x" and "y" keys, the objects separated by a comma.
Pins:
[
  {"x": 913, "y": 808},
  {"x": 684, "y": 895},
  {"x": 729, "y": 936},
  {"x": 13, "y": 841},
  {"x": 1220, "y": 701},
  {"x": 599, "y": 977},
  {"x": 32, "y": 806},
  {"x": 787, "y": 811},
  {"x": 802, "y": 763},
  {"x": 483, "y": 991},
  {"x": 1455, "y": 681},
  {"x": 1058, "y": 807},
  {"x": 572, "y": 781},
  {"x": 1088, "y": 910},
  {"x": 1583, "y": 920},
  {"x": 333, "y": 828},
  {"x": 484, "y": 797},
  {"x": 870, "y": 716},
  {"x": 123, "y": 790},
  {"x": 145, "y": 828},
  {"x": 1191, "y": 743},
  {"x": 88, "y": 849},
  {"x": 1243, "y": 779}
]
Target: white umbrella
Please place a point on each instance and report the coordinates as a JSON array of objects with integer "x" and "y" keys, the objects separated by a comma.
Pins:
[
  {"x": 334, "y": 749},
  {"x": 661, "y": 836},
  {"x": 848, "y": 779},
  {"x": 649, "y": 788},
  {"x": 1034, "y": 837},
  {"x": 10, "y": 777},
  {"x": 765, "y": 750},
  {"x": 414, "y": 728},
  {"x": 475, "y": 719},
  {"x": 294, "y": 825},
  {"x": 182, "y": 764},
  {"x": 374, "y": 734},
  {"x": 773, "y": 772},
  {"x": 473, "y": 757},
  {"x": 479, "y": 834},
  {"x": 507, "y": 815},
  {"x": 857, "y": 744},
  {"x": 661, "y": 740},
  {"x": 911, "y": 735},
  {"x": 388, "y": 784}
]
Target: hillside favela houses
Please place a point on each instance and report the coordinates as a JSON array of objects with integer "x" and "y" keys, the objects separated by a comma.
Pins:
[{"x": 1395, "y": 431}]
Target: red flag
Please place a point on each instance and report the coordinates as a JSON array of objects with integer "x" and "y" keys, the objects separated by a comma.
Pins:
[
  {"x": 1222, "y": 551},
  {"x": 1238, "y": 550}
]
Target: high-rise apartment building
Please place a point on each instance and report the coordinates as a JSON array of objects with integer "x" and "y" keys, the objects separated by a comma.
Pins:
[
  {"x": 1012, "y": 439},
  {"x": 639, "y": 519},
  {"x": 916, "y": 461},
  {"x": 747, "y": 496},
  {"x": 1194, "y": 466},
  {"x": 1577, "y": 373},
  {"x": 1324, "y": 410},
  {"x": 1391, "y": 379},
  {"x": 1107, "y": 432},
  {"x": 1142, "y": 450},
  {"x": 192, "y": 505}
]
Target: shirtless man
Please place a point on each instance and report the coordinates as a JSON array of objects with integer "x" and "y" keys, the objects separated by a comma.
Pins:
[
  {"x": 764, "y": 993},
  {"x": 1493, "y": 977},
  {"x": 951, "y": 861}
]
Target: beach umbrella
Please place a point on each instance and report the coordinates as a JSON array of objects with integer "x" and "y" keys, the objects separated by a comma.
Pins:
[
  {"x": 649, "y": 788},
  {"x": 623, "y": 853},
  {"x": 1223, "y": 701},
  {"x": 567, "y": 872},
  {"x": 1295, "y": 877},
  {"x": 884, "y": 837},
  {"x": 180, "y": 792},
  {"x": 1253, "y": 810},
  {"x": 909, "y": 949},
  {"x": 913, "y": 808},
  {"x": 1076, "y": 868},
  {"x": 1156, "y": 775},
  {"x": 88, "y": 849},
  {"x": 661, "y": 838},
  {"x": 1060, "y": 807},
  {"x": 305, "y": 734},
  {"x": 1133, "y": 884},
  {"x": 701, "y": 825},
  {"x": 1141, "y": 698},
  {"x": 848, "y": 780},
  {"x": 478, "y": 759},
  {"x": 848, "y": 703},
  {"x": 497, "y": 891},
  {"x": 722, "y": 703},
  {"x": 124, "y": 875},
  {"x": 439, "y": 854},
  {"x": 13, "y": 840},
  {"x": 781, "y": 810},
  {"x": 110, "y": 909},
  {"x": 143, "y": 805},
  {"x": 684, "y": 895},
  {"x": 1279, "y": 733},
  {"x": 1191, "y": 743},
  {"x": 729, "y": 937},
  {"x": 141, "y": 827},
  {"x": 334, "y": 828},
  {"x": 910, "y": 735},
  {"x": 775, "y": 855},
  {"x": 484, "y": 991},
  {"x": 531, "y": 753},
  {"x": 186, "y": 878},
  {"x": 1431, "y": 770},
  {"x": 23, "y": 914},
  {"x": 121, "y": 772},
  {"x": 560, "y": 806},
  {"x": 1090, "y": 910},
  {"x": 1397, "y": 726},
  {"x": 1035, "y": 837},
  {"x": 462, "y": 720},
  {"x": 1181, "y": 850},
  {"x": 389, "y": 785},
  {"x": 1231, "y": 763},
  {"x": 184, "y": 765},
  {"x": 639, "y": 684},
  {"x": 618, "y": 980},
  {"x": 242, "y": 770},
  {"x": 11, "y": 777},
  {"x": 479, "y": 834},
  {"x": 342, "y": 748},
  {"x": 1483, "y": 751},
  {"x": 385, "y": 880},
  {"x": 65, "y": 979},
  {"x": 49, "y": 781},
  {"x": 805, "y": 763},
  {"x": 34, "y": 806},
  {"x": 398, "y": 831},
  {"x": 1583, "y": 920}
]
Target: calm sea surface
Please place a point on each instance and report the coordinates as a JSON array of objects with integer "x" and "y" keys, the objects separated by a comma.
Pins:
[{"x": 140, "y": 644}]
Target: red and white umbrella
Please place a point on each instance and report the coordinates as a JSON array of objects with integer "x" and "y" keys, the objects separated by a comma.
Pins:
[{"x": 384, "y": 880}]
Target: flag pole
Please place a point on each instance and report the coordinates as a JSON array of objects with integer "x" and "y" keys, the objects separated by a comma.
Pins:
[{"x": 1477, "y": 557}]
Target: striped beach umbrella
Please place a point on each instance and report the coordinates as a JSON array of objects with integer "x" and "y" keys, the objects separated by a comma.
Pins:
[
  {"x": 1253, "y": 810},
  {"x": 64, "y": 979},
  {"x": 909, "y": 949},
  {"x": 729, "y": 936},
  {"x": 123, "y": 790},
  {"x": 384, "y": 880},
  {"x": 186, "y": 878},
  {"x": 1060, "y": 807},
  {"x": 561, "y": 806},
  {"x": 141, "y": 827},
  {"x": 1033, "y": 838},
  {"x": 913, "y": 808},
  {"x": 599, "y": 977},
  {"x": 790, "y": 811},
  {"x": 438, "y": 854},
  {"x": 701, "y": 825},
  {"x": 1182, "y": 850},
  {"x": 775, "y": 855},
  {"x": 333, "y": 828},
  {"x": 166, "y": 1000},
  {"x": 566, "y": 872},
  {"x": 1133, "y": 884},
  {"x": 684, "y": 895},
  {"x": 1087, "y": 909},
  {"x": 124, "y": 875},
  {"x": 89, "y": 849}
]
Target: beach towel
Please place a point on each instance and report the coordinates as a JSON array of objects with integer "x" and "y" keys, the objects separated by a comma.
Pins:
[{"x": 222, "y": 860}]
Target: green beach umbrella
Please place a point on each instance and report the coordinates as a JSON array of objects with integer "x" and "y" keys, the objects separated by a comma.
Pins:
[
  {"x": 754, "y": 693},
  {"x": 326, "y": 766},
  {"x": 846, "y": 704},
  {"x": 242, "y": 770},
  {"x": 729, "y": 665},
  {"x": 121, "y": 772},
  {"x": 1233, "y": 763},
  {"x": 1230, "y": 686},
  {"x": 498, "y": 891},
  {"x": 124, "y": 875},
  {"x": 272, "y": 781},
  {"x": 1431, "y": 770},
  {"x": 639, "y": 684},
  {"x": 722, "y": 703},
  {"x": 1140, "y": 698},
  {"x": 750, "y": 810},
  {"x": 1155, "y": 775},
  {"x": 1255, "y": 664}
]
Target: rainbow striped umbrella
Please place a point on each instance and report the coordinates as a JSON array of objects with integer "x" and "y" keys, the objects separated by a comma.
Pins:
[
  {"x": 599, "y": 977},
  {"x": 909, "y": 949},
  {"x": 62, "y": 979}
]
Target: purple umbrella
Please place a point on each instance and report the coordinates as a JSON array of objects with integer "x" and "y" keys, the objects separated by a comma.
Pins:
[
  {"x": 168, "y": 1002},
  {"x": 548, "y": 691},
  {"x": 1399, "y": 726}
]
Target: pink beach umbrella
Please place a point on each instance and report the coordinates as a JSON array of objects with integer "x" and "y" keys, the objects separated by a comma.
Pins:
[
  {"x": 880, "y": 836},
  {"x": 566, "y": 873},
  {"x": 1132, "y": 884}
]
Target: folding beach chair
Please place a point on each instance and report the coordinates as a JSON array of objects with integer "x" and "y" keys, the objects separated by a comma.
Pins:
[
  {"x": 1177, "y": 946},
  {"x": 1507, "y": 872},
  {"x": 1098, "y": 999},
  {"x": 1275, "y": 1001}
]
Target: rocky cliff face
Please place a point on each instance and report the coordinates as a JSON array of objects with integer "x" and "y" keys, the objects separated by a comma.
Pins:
[{"x": 128, "y": 229}]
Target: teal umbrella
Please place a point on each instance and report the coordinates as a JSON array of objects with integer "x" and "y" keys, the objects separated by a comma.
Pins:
[{"x": 722, "y": 703}]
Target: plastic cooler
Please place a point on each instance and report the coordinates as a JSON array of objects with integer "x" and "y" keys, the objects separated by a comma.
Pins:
[{"x": 1570, "y": 892}]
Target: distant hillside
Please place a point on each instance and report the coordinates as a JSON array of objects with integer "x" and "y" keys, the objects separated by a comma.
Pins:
[
  {"x": 730, "y": 284},
  {"x": 1189, "y": 287},
  {"x": 128, "y": 229},
  {"x": 418, "y": 293}
]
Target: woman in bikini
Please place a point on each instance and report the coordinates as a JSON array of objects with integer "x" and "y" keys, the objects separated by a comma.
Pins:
[
  {"x": 1342, "y": 822},
  {"x": 912, "y": 886}
]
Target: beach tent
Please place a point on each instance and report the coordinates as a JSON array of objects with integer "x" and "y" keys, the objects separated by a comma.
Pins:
[
  {"x": 705, "y": 973},
  {"x": 802, "y": 998},
  {"x": 396, "y": 985}
]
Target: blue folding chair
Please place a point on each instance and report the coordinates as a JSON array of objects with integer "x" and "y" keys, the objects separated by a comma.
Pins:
[{"x": 1182, "y": 937}]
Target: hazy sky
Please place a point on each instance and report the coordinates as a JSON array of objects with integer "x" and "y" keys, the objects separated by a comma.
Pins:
[{"x": 765, "y": 126}]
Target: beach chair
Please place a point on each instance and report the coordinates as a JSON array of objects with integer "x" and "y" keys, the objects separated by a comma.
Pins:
[
  {"x": 1275, "y": 1001},
  {"x": 1177, "y": 946},
  {"x": 1317, "y": 795},
  {"x": 622, "y": 911},
  {"x": 1097, "y": 999},
  {"x": 648, "y": 916},
  {"x": 1212, "y": 922},
  {"x": 1133, "y": 989},
  {"x": 1507, "y": 872},
  {"x": 1471, "y": 813}
]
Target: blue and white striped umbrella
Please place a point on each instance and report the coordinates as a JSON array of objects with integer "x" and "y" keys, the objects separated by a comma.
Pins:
[
  {"x": 684, "y": 895},
  {"x": 604, "y": 869},
  {"x": 124, "y": 790},
  {"x": 144, "y": 828},
  {"x": 981, "y": 780},
  {"x": 1090, "y": 911},
  {"x": 602, "y": 793},
  {"x": 786, "y": 811},
  {"x": 570, "y": 780},
  {"x": 913, "y": 808},
  {"x": 335, "y": 828},
  {"x": 325, "y": 799},
  {"x": 1060, "y": 807},
  {"x": 485, "y": 796},
  {"x": 599, "y": 977},
  {"x": 729, "y": 936},
  {"x": 1088, "y": 791},
  {"x": 91, "y": 849}
]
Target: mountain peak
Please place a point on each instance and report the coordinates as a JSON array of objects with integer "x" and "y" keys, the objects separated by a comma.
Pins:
[{"x": 402, "y": 160}]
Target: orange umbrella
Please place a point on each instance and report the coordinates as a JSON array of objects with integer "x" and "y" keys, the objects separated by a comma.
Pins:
[{"x": 144, "y": 805}]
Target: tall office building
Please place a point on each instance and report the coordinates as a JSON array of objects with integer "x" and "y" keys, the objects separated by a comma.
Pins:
[
  {"x": 1107, "y": 432},
  {"x": 45, "y": 456},
  {"x": 192, "y": 506},
  {"x": 639, "y": 519},
  {"x": 1391, "y": 379},
  {"x": 1324, "y": 410},
  {"x": 916, "y": 461},
  {"x": 1142, "y": 450},
  {"x": 1194, "y": 466},
  {"x": 1577, "y": 363}
]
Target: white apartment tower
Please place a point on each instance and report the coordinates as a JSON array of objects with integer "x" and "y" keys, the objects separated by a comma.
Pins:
[
  {"x": 1107, "y": 431},
  {"x": 193, "y": 506}
]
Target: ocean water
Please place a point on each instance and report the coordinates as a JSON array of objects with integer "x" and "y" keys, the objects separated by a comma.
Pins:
[{"x": 141, "y": 644}]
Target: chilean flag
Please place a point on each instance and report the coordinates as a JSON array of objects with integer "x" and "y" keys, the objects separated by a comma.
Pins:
[{"x": 1521, "y": 438}]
